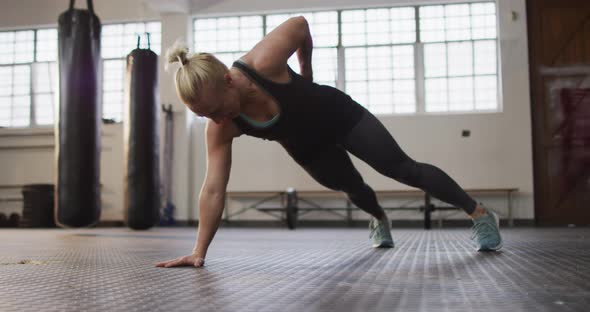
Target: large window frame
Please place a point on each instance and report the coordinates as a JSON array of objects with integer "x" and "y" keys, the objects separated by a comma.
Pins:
[
  {"x": 114, "y": 62},
  {"x": 36, "y": 90},
  {"x": 420, "y": 77},
  {"x": 40, "y": 59}
]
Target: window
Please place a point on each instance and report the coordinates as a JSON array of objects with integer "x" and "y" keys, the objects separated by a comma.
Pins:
[
  {"x": 117, "y": 41},
  {"x": 431, "y": 59},
  {"x": 379, "y": 58},
  {"x": 29, "y": 72},
  {"x": 324, "y": 30},
  {"x": 460, "y": 68},
  {"x": 228, "y": 38},
  {"x": 28, "y": 77}
]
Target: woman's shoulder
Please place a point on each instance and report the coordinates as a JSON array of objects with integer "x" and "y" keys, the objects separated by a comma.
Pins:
[
  {"x": 266, "y": 69},
  {"x": 223, "y": 132}
]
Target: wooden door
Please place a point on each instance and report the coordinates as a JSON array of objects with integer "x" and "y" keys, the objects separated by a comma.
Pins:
[{"x": 559, "y": 58}]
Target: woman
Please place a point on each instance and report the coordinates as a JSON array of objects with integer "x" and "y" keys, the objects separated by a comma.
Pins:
[{"x": 317, "y": 125}]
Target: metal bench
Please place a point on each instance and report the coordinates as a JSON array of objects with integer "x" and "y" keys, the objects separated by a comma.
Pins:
[{"x": 291, "y": 209}]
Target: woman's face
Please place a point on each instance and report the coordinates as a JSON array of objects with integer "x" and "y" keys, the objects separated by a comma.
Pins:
[{"x": 219, "y": 104}]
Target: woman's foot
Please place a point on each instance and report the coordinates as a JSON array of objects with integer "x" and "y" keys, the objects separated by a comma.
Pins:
[
  {"x": 486, "y": 230},
  {"x": 381, "y": 233}
]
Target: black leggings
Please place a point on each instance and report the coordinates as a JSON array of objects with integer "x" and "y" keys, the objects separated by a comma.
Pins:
[{"x": 371, "y": 142}]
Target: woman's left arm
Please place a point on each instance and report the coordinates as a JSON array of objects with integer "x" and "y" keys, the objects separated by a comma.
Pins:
[
  {"x": 270, "y": 55},
  {"x": 304, "y": 57}
]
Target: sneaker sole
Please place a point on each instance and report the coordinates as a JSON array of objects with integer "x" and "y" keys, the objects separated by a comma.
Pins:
[
  {"x": 495, "y": 248},
  {"x": 384, "y": 245}
]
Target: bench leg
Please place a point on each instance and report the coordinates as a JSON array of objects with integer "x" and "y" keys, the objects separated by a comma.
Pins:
[
  {"x": 510, "y": 219},
  {"x": 427, "y": 211},
  {"x": 349, "y": 212}
]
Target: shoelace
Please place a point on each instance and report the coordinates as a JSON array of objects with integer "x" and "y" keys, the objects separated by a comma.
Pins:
[{"x": 484, "y": 229}]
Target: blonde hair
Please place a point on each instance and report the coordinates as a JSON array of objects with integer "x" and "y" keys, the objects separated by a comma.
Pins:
[{"x": 196, "y": 72}]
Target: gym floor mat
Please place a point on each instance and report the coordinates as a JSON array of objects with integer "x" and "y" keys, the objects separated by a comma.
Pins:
[{"x": 309, "y": 269}]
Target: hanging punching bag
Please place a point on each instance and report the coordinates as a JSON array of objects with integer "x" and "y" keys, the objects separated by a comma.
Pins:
[
  {"x": 78, "y": 119},
  {"x": 142, "y": 148}
]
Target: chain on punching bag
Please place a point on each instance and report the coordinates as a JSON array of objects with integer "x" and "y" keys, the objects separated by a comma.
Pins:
[
  {"x": 78, "y": 125},
  {"x": 142, "y": 151}
]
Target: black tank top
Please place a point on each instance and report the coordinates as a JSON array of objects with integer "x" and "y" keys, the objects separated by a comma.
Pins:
[{"x": 310, "y": 114}]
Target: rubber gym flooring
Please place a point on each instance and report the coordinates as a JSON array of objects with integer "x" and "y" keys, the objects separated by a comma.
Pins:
[{"x": 309, "y": 269}]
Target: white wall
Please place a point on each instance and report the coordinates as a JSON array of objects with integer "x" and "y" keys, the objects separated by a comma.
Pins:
[{"x": 498, "y": 153}]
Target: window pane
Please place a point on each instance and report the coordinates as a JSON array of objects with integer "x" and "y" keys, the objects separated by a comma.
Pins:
[
  {"x": 389, "y": 75},
  {"x": 21, "y": 111},
  {"x": 113, "y": 106},
  {"x": 43, "y": 81},
  {"x": 378, "y": 26},
  {"x": 435, "y": 60},
  {"x": 113, "y": 89},
  {"x": 6, "y": 80},
  {"x": 457, "y": 22},
  {"x": 432, "y": 23},
  {"x": 7, "y": 37},
  {"x": 46, "y": 45},
  {"x": 7, "y": 47},
  {"x": 322, "y": 25},
  {"x": 354, "y": 30},
  {"x": 485, "y": 57},
  {"x": 460, "y": 58},
  {"x": 355, "y": 64},
  {"x": 45, "y": 86},
  {"x": 467, "y": 67},
  {"x": 325, "y": 66},
  {"x": 6, "y": 53},
  {"x": 436, "y": 94},
  {"x": 403, "y": 62},
  {"x": 324, "y": 28},
  {"x": 483, "y": 20},
  {"x": 44, "y": 109},
  {"x": 403, "y": 25},
  {"x": 378, "y": 31},
  {"x": 118, "y": 40},
  {"x": 461, "y": 94},
  {"x": 24, "y": 46},
  {"x": 380, "y": 97},
  {"x": 5, "y": 111},
  {"x": 358, "y": 91},
  {"x": 22, "y": 80},
  {"x": 486, "y": 92},
  {"x": 227, "y": 34},
  {"x": 228, "y": 58},
  {"x": 379, "y": 61},
  {"x": 404, "y": 96},
  {"x": 5, "y": 105}
]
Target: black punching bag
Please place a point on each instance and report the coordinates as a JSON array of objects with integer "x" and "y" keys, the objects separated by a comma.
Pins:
[
  {"x": 78, "y": 124},
  {"x": 142, "y": 140}
]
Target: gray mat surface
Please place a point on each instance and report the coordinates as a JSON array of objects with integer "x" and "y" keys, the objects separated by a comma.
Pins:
[{"x": 302, "y": 270}]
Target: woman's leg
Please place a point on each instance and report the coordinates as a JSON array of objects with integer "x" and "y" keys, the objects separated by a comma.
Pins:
[
  {"x": 372, "y": 143},
  {"x": 331, "y": 167}
]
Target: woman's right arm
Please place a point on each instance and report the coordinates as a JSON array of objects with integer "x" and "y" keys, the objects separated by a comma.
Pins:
[
  {"x": 212, "y": 196},
  {"x": 219, "y": 138}
]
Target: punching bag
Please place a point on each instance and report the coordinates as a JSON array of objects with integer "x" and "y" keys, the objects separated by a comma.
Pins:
[
  {"x": 142, "y": 148},
  {"x": 78, "y": 119}
]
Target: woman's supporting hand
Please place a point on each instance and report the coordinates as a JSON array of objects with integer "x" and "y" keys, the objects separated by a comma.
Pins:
[{"x": 190, "y": 260}]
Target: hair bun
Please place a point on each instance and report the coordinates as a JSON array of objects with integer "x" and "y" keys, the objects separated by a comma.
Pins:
[{"x": 177, "y": 53}]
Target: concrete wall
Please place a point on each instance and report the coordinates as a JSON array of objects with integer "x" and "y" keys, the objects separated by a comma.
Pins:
[{"x": 498, "y": 153}]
